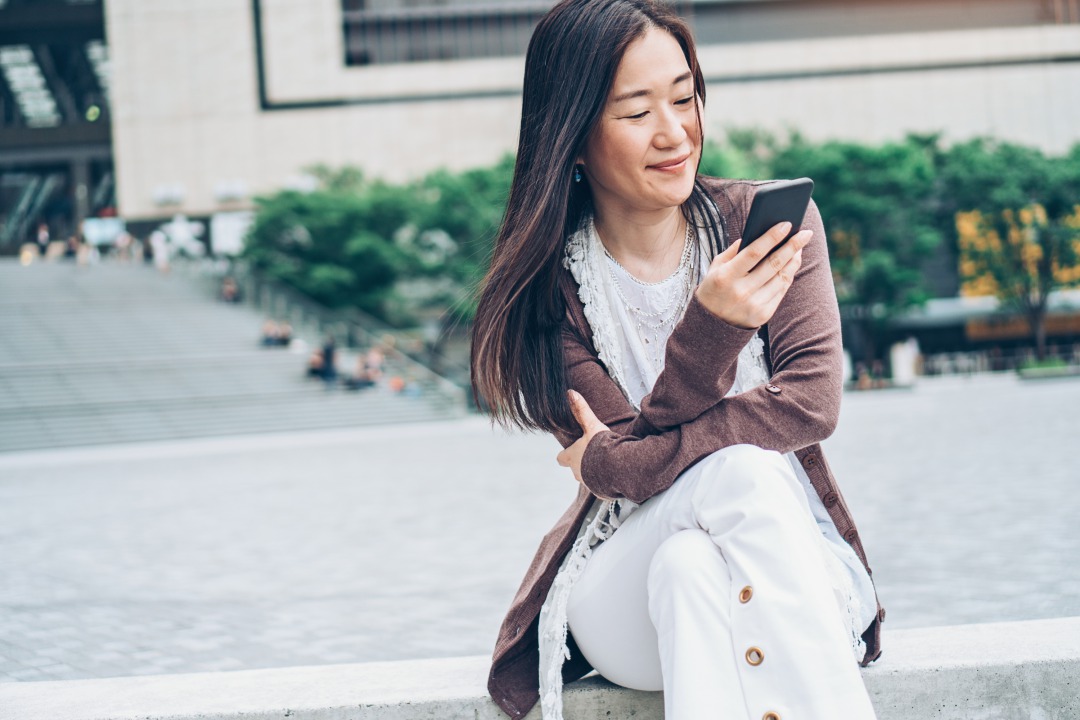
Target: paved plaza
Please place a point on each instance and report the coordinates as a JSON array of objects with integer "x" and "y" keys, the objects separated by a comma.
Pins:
[{"x": 409, "y": 541}]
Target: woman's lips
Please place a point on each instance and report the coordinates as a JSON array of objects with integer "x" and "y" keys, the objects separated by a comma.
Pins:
[{"x": 673, "y": 165}]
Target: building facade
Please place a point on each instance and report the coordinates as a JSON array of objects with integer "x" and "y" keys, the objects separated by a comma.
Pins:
[
  {"x": 153, "y": 108},
  {"x": 214, "y": 102}
]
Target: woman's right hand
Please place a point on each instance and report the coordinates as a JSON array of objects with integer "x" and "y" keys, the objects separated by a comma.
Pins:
[
  {"x": 590, "y": 425},
  {"x": 744, "y": 291}
]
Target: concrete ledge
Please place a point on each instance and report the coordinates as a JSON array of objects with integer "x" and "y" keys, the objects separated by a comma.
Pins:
[{"x": 1004, "y": 671}]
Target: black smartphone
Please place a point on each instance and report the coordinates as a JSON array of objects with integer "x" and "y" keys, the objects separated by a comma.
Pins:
[{"x": 774, "y": 203}]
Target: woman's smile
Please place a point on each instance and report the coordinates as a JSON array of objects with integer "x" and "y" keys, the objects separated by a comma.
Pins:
[{"x": 673, "y": 166}]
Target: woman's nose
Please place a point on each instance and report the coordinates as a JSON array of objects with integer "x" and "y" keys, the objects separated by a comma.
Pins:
[{"x": 670, "y": 131}]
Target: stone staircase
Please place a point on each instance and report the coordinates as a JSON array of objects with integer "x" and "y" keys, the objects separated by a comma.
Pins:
[{"x": 119, "y": 353}]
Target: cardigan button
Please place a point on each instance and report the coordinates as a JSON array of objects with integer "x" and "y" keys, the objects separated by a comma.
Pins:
[
  {"x": 809, "y": 461},
  {"x": 830, "y": 499},
  {"x": 850, "y": 535},
  {"x": 774, "y": 389},
  {"x": 881, "y": 614}
]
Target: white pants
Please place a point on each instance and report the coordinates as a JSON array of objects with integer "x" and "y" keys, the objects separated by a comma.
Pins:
[{"x": 715, "y": 591}]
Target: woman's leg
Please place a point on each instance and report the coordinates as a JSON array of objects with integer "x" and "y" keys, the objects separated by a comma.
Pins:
[
  {"x": 754, "y": 620},
  {"x": 611, "y": 617},
  {"x": 689, "y": 604}
]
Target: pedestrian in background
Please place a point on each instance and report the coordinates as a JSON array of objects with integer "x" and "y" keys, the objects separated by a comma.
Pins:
[
  {"x": 329, "y": 362},
  {"x": 42, "y": 239}
]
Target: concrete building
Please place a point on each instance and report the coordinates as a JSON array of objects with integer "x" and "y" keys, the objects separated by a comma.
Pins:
[
  {"x": 216, "y": 101},
  {"x": 211, "y": 102},
  {"x": 152, "y": 108}
]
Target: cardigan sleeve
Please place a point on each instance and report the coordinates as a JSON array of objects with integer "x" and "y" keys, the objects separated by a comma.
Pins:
[
  {"x": 800, "y": 405},
  {"x": 700, "y": 360}
]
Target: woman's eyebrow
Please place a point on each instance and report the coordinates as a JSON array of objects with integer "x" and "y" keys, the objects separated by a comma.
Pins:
[{"x": 643, "y": 93}]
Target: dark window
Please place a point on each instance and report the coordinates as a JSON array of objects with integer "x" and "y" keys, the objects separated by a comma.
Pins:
[{"x": 396, "y": 31}]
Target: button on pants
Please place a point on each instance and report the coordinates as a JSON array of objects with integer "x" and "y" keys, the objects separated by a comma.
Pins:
[{"x": 716, "y": 592}]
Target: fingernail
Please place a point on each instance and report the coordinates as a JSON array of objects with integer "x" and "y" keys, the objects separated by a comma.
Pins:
[{"x": 785, "y": 228}]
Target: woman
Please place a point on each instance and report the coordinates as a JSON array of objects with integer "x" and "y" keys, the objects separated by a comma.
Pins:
[{"x": 709, "y": 552}]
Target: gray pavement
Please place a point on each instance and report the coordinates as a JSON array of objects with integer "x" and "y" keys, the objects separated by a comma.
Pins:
[{"x": 409, "y": 541}]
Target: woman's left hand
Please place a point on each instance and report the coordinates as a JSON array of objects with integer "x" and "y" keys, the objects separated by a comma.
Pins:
[{"x": 571, "y": 456}]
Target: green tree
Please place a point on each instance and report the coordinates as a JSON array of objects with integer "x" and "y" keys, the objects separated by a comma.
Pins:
[
  {"x": 334, "y": 244},
  {"x": 879, "y": 204},
  {"x": 1017, "y": 222},
  {"x": 454, "y": 221},
  {"x": 383, "y": 248}
]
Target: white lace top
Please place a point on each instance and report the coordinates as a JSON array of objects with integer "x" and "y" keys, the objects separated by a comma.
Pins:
[{"x": 627, "y": 353}]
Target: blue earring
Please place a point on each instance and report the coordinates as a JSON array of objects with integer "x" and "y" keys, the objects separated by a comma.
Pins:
[{"x": 577, "y": 173}]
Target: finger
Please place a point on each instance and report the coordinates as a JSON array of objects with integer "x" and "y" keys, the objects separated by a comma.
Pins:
[
  {"x": 776, "y": 288},
  {"x": 563, "y": 458},
  {"x": 777, "y": 261},
  {"x": 795, "y": 244},
  {"x": 777, "y": 233},
  {"x": 792, "y": 248},
  {"x": 727, "y": 255},
  {"x": 730, "y": 251},
  {"x": 761, "y": 246},
  {"x": 584, "y": 415},
  {"x": 760, "y": 281}
]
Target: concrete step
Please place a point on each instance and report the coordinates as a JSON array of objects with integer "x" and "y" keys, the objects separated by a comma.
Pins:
[
  {"x": 1002, "y": 670},
  {"x": 219, "y": 419},
  {"x": 117, "y": 353},
  {"x": 98, "y": 387}
]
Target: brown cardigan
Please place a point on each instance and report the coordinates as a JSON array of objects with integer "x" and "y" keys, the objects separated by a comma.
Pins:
[{"x": 684, "y": 419}]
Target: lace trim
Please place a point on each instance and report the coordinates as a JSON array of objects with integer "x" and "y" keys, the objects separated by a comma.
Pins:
[
  {"x": 750, "y": 371},
  {"x": 553, "y": 624},
  {"x": 844, "y": 590},
  {"x": 584, "y": 259}
]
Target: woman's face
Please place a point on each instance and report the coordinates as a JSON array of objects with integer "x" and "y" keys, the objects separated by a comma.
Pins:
[{"x": 643, "y": 153}]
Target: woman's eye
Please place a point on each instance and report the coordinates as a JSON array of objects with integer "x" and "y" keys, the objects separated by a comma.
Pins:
[
  {"x": 636, "y": 117},
  {"x": 685, "y": 100}
]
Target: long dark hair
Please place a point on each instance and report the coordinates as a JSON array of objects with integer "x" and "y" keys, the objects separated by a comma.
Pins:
[{"x": 570, "y": 66}]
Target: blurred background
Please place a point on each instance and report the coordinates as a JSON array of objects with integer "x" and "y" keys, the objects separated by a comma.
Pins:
[{"x": 239, "y": 245}]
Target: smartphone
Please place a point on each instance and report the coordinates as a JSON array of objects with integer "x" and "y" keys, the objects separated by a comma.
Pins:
[{"x": 774, "y": 203}]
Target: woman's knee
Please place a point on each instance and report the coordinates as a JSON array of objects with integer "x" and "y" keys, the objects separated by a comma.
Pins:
[
  {"x": 739, "y": 469},
  {"x": 751, "y": 478},
  {"x": 743, "y": 460},
  {"x": 682, "y": 559}
]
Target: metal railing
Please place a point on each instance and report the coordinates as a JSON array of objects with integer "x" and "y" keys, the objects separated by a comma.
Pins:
[
  {"x": 999, "y": 360},
  {"x": 349, "y": 327}
]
